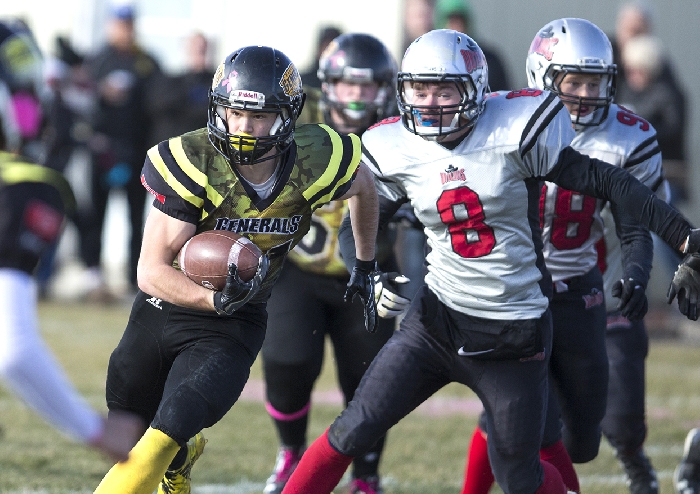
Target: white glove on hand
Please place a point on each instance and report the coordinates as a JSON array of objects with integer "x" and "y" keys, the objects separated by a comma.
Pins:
[{"x": 389, "y": 302}]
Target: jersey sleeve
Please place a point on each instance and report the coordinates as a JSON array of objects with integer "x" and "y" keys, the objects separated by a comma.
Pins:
[
  {"x": 386, "y": 186},
  {"x": 546, "y": 133},
  {"x": 340, "y": 170},
  {"x": 579, "y": 172},
  {"x": 175, "y": 191}
]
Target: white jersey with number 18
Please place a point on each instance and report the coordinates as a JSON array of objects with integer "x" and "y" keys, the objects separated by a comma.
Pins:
[{"x": 571, "y": 222}]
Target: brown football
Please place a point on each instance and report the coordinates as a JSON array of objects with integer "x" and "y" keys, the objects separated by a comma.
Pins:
[{"x": 205, "y": 257}]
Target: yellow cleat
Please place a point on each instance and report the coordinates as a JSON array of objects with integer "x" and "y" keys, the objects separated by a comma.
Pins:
[{"x": 178, "y": 481}]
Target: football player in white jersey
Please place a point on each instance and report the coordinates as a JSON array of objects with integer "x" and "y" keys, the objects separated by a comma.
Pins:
[
  {"x": 573, "y": 58},
  {"x": 471, "y": 167}
]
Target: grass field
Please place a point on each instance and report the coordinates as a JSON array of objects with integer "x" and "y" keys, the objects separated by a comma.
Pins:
[{"x": 425, "y": 452}]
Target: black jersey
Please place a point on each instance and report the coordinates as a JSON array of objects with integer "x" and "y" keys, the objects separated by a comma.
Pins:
[{"x": 34, "y": 201}]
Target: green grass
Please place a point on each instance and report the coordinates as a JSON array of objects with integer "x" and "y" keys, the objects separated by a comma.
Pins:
[{"x": 424, "y": 454}]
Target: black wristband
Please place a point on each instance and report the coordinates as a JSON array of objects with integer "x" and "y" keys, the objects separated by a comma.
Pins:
[
  {"x": 366, "y": 266},
  {"x": 693, "y": 242},
  {"x": 217, "y": 304}
]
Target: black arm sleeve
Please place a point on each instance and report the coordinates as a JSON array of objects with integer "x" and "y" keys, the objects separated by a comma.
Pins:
[
  {"x": 346, "y": 241},
  {"x": 592, "y": 177},
  {"x": 636, "y": 244}
]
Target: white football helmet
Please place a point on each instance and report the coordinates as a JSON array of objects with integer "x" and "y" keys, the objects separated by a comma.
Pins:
[
  {"x": 573, "y": 45},
  {"x": 442, "y": 55}
]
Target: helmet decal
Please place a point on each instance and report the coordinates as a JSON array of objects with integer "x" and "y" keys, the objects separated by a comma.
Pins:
[
  {"x": 543, "y": 43},
  {"x": 249, "y": 99},
  {"x": 290, "y": 82},
  {"x": 330, "y": 48},
  {"x": 218, "y": 75},
  {"x": 228, "y": 82},
  {"x": 473, "y": 60}
]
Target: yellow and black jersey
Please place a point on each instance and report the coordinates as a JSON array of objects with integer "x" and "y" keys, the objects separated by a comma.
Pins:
[
  {"x": 191, "y": 181},
  {"x": 318, "y": 252},
  {"x": 34, "y": 201}
]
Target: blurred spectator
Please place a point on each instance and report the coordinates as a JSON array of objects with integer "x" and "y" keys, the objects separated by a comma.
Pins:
[
  {"x": 70, "y": 105},
  {"x": 654, "y": 98},
  {"x": 458, "y": 15},
  {"x": 21, "y": 65},
  {"x": 179, "y": 103},
  {"x": 310, "y": 77},
  {"x": 634, "y": 19},
  {"x": 121, "y": 71},
  {"x": 418, "y": 19}
]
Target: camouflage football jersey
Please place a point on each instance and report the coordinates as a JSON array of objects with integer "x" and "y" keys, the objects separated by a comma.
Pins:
[
  {"x": 571, "y": 222},
  {"x": 318, "y": 251},
  {"x": 191, "y": 181},
  {"x": 643, "y": 160},
  {"x": 479, "y": 201}
]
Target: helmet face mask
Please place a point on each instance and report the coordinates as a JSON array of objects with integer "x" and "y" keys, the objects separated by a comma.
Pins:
[
  {"x": 257, "y": 79},
  {"x": 442, "y": 57},
  {"x": 573, "y": 46},
  {"x": 358, "y": 59}
]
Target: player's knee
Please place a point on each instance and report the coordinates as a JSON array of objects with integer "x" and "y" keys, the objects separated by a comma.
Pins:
[
  {"x": 352, "y": 440},
  {"x": 288, "y": 386},
  {"x": 583, "y": 444}
]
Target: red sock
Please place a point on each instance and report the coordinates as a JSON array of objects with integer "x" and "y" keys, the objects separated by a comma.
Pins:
[
  {"x": 552, "y": 483},
  {"x": 557, "y": 455},
  {"x": 478, "y": 477},
  {"x": 320, "y": 469}
]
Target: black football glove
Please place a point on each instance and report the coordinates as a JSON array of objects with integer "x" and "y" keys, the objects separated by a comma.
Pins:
[
  {"x": 237, "y": 292},
  {"x": 386, "y": 294},
  {"x": 633, "y": 302},
  {"x": 361, "y": 285},
  {"x": 686, "y": 285}
]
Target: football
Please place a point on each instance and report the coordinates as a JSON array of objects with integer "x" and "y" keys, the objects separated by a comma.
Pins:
[{"x": 205, "y": 257}]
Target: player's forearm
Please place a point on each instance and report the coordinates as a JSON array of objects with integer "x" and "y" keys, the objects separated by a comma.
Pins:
[
  {"x": 167, "y": 283},
  {"x": 636, "y": 245},
  {"x": 364, "y": 216},
  {"x": 600, "y": 179}
]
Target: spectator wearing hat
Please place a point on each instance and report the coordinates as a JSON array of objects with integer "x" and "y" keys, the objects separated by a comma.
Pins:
[{"x": 121, "y": 71}]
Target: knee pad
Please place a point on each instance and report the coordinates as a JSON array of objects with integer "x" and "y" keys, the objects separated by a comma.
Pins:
[
  {"x": 288, "y": 387},
  {"x": 582, "y": 444}
]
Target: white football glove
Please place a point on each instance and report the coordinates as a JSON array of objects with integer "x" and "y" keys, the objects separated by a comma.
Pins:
[{"x": 386, "y": 296}]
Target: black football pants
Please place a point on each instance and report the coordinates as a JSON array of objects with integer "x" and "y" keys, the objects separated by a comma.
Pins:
[
  {"x": 182, "y": 370},
  {"x": 420, "y": 359}
]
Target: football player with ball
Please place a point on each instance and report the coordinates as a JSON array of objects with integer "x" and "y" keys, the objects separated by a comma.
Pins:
[
  {"x": 471, "y": 165},
  {"x": 187, "y": 350}
]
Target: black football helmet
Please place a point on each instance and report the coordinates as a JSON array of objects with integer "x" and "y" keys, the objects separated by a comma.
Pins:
[
  {"x": 261, "y": 79},
  {"x": 356, "y": 57}
]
